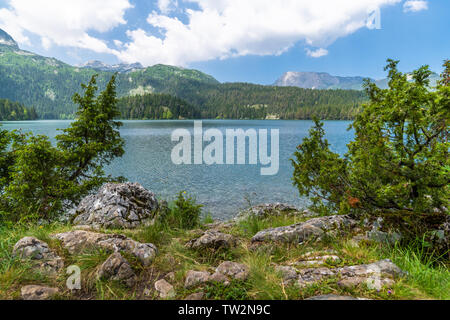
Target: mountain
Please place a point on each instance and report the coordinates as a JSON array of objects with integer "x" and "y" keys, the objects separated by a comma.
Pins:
[
  {"x": 121, "y": 68},
  {"x": 48, "y": 85},
  {"x": 322, "y": 80},
  {"x": 7, "y": 40},
  {"x": 318, "y": 80}
]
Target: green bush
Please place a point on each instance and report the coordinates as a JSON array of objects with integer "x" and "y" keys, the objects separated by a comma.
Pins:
[
  {"x": 399, "y": 159},
  {"x": 185, "y": 214},
  {"x": 39, "y": 180}
]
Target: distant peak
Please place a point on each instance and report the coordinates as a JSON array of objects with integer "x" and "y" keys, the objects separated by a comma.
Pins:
[
  {"x": 7, "y": 40},
  {"x": 122, "y": 67}
]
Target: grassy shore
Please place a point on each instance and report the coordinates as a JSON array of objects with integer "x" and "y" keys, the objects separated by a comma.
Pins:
[{"x": 425, "y": 278}]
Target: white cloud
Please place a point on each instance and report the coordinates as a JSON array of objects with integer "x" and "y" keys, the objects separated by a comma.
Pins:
[
  {"x": 167, "y": 6},
  {"x": 64, "y": 23},
  {"x": 415, "y": 6},
  {"x": 316, "y": 53},
  {"x": 221, "y": 29}
]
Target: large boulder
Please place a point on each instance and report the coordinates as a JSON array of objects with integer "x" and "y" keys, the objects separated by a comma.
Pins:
[
  {"x": 41, "y": 256},
  {"x": 305, "y": 231},
  {"x": 117, "y": 206},
  {"x": 79, "y": 240}
]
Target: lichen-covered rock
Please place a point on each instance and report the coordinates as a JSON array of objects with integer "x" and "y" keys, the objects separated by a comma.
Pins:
[
  {"x": 288, "y": 273},
  {"x": 117, "y": 268},
  {"x": 79, "y": 240},
  {"x": 165, "y": 289},
  {"x": 380, "y": 268},
  {"x": 236, "y": 271},
  {"x": 268, "y": 210},
  {"x": 194, "y": 278},
  {"x": 117, "y": 206},
  {"x": 378, "y": 274},
  {"x": 213, "y": 240},
  {"x": 38, "y": 252},
  {"x": 309, "y": 230},
  {"x": 38, "y": 293},
  {"x": 219, "y": 278}
]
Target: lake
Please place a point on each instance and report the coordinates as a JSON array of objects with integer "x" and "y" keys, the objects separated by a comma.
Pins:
[{"x": 223, "y": 189}]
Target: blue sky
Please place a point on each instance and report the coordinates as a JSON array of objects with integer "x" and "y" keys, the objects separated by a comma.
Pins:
[{"x": 233, "y": 40}]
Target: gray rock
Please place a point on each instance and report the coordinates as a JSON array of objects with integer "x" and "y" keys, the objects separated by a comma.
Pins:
[
  {"x": 79, "y": 240},
  {"x": 288, "y": 273},
  {"x": 195, "y": 296},
  {"x": 383, "y": 268},
  {"x": 38, "y": 293},
  {"x": 318, "y": 260},
  {"x": 117, "y": 206},
  {"x": 234, "y": 270},
  {"x": 165, "y": 289},
  {"x": 376, "y": 234},
  {"x": 314, "y": 275},
  {"x": 39, "y": 253},
  {"x": 213, "y": 240},
  {"x": 117, "y": 268},
  {"x": 194, "y": 278},
  {"x": 309, "y": 230},
  {"x": 267, "y": 210},
  {"x": 377, "y": 274},
  {"x": 219, "y": 278}
]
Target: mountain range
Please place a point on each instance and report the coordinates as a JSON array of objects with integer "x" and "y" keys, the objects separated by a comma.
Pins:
[
  {"x": 47, "y": 85},
  {"x": 323, "y": 80}
]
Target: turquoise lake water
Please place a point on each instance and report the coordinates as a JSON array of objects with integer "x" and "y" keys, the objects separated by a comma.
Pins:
[{"x": 222, "y": 189}]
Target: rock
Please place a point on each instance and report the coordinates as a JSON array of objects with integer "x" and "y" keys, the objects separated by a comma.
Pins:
[
  {"x": 195, "y": 296},
  {"x": 370, "y": 282},
  {"x": 332, "y": 297},
  {"x": 194, "y": 278},
  {"x": 220, "y": 278},
  {"x": 318, "y": 260},
  {"x": 440, "y": 238},
  {"x": 117, "y": 206},
  {"x": 376, "y": 274},
  {"x": 312, "y": 229},
  {"x": 170, "y": 276},
  {"x": 37, "y": 251},
  {"x": 267, "y": 210},
  {"x": 313, "y": 275},
  {"x": 79, "y": 240},
  {"x": 117, "y": 268},
  {"x": 288, "y": 273},
  {"x": 165, "y": 289},
  {"x": 381, "y": 268},
  {"x": 234, "y": 270},
  {"x": 213, "y": 240},
  {"x": 38, "y": 293}
]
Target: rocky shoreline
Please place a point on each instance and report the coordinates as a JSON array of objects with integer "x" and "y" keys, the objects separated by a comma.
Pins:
[{"x": 128, "y": 207}]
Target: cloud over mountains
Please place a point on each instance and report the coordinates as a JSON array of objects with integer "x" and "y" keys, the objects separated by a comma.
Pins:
[{"x": 192, "y": 30}]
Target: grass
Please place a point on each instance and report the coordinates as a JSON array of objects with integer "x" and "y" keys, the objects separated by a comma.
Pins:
[{"x": 426, "y": 278}]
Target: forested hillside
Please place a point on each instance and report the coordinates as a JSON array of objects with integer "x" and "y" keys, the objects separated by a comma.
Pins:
[
  {"x": 14, "y": 111},
  {"x": 245, "y": 101},
  {"x": 48, "y": 85}
]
